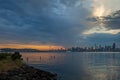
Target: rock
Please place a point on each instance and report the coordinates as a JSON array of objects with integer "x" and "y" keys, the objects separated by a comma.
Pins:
[{"x": 27, "y": 73}]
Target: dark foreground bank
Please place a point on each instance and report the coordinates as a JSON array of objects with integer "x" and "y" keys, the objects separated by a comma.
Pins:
[
  {"x": 13, "y": 68},
  {"x": 27, "y": 73}
]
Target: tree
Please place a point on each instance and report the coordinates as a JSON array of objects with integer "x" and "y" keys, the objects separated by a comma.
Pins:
[{"x": 16, "y": 56}]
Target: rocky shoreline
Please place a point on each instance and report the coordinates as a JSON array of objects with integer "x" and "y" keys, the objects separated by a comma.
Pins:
[{"x": 26, "y": 72}]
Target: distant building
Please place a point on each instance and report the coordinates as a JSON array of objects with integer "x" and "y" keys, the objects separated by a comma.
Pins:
[{"x": 114, "y": 46}]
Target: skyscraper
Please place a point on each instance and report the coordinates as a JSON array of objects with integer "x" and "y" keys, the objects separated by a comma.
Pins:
[{"x": 113, "y": 46}]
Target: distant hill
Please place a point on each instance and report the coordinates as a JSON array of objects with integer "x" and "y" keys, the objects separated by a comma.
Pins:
[{"x": 18, "y": 50}]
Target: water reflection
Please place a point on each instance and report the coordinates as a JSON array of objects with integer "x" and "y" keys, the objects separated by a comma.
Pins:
[
  {"x": 103, "y": 66},
  {"x": 43, "y": 58},
  {"x": 78, "y": 66}
]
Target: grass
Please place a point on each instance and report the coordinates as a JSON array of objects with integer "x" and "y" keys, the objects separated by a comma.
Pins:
[{"x": 6, "y": 62}]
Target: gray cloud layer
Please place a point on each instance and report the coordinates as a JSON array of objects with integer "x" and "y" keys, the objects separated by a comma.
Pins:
[
  {"x": 57, "y": 22},
  {"x": 113, "y": 21}
]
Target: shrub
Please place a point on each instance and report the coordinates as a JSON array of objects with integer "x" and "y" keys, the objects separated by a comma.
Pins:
[
  {"x": 3, "y": 56},
  {"x": 16, "y": 56}
]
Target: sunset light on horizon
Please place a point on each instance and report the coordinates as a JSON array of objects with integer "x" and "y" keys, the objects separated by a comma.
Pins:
[{"x": 25, "y": 46}]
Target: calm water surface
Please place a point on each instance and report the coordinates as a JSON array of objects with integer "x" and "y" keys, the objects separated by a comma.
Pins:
[{"x": 77, "y": 66}]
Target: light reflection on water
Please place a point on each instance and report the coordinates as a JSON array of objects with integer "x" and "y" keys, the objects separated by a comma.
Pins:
[{"x": 77, "y": 66}]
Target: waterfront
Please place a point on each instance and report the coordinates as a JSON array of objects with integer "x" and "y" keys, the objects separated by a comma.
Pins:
[{"x": 77, "y": 66}]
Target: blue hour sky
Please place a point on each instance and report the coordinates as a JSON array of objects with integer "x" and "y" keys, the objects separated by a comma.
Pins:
[{"x": 59, "y": 22}]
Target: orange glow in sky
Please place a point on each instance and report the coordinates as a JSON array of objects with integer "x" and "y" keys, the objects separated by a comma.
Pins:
[{"x": 39, "y": 47}]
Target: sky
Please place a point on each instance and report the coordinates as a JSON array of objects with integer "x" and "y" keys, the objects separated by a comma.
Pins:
[{"x": 44, "y": 24}]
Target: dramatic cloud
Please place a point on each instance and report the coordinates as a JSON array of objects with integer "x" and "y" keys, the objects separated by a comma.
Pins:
[
  {"x": 113, "y": 21},
  {"x": 106, "y": 24},
  {"x": 53, "y": 22}
]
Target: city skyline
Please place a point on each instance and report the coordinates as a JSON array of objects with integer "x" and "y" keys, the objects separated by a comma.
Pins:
[{"x": 96, "y": 48}]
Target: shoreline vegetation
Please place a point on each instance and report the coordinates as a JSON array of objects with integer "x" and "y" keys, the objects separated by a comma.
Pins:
[{"x": 13, "y": 68}]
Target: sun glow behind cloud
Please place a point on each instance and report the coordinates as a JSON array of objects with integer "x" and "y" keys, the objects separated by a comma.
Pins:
[{"x": 99, "y": 11}]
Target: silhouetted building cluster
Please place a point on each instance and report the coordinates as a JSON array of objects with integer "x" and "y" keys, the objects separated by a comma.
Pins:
[{"x": 96, "y": 48}]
